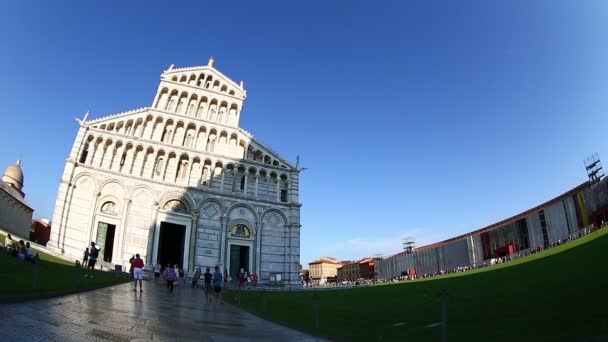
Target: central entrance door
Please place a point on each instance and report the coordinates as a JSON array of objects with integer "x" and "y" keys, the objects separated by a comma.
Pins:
[
  {"x": 105, "y": 240},
  {"x": 239, "y": 259},
  {"x": 171, "y": 244}
]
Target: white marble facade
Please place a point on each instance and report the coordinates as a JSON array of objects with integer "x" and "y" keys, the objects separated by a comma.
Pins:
[{"x": 183, "y": 166}]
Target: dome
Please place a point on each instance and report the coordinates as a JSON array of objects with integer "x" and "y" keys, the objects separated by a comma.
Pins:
[{"x": 14, "y": 176}]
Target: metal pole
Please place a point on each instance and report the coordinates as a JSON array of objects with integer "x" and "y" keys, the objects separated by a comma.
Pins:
[
  {"x": 36, "y": 270},
  {"x": 316, "y": 304},
  {"x": 444, "y": 315},
  {"x": 264, "y": 303}
]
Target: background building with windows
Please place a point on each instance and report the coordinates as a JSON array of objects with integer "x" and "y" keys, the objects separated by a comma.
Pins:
[
  {"x": 180, "y": 182},
  {"x": 540, "y": 227}
]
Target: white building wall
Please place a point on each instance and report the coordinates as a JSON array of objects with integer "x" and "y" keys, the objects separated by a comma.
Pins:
[{"x": 139, "y": 193}]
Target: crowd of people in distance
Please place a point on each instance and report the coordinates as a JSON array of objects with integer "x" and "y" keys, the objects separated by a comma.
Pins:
[
  {"x": 173, "y": 275},
  {"x": 22, "y": 250}
]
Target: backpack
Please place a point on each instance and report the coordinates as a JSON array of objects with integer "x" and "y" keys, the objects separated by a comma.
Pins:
[
  {"x": 170, "y": 275},
  {"x": 94, "y": 253}
]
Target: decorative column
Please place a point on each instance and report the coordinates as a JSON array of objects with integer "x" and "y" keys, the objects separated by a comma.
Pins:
[
  {"x": 222, "y": 181},
  {"x": 193, "y": 236},
  {"x": 212, "y": 170},
  {"x": 257, "y": 179},
  {"x": 278, "y": 188},
  {"x": 267, "y": 185},
  {"x": 245, "y": 187},
  {"x": 150, "y": 258},
  {"x": 258, "y": 249},
  {"x": 224, "y": 228},
  {"x": 124, "y": 222},
  {"x": 235, "y": 172},
  {"x": 116, "y": 163}
]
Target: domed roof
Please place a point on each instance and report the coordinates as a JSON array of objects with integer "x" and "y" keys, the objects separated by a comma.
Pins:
[{"x": 13, "y": 175}]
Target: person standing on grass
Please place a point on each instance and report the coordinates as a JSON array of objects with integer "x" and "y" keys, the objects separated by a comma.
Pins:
[
  {"x": 170, "y": 277},
  {"x": 218, "y": 282},
  {"x": 85, "y": 257},
  {"x": 138, "y": 272},
  {"x": 207, "y": 277},
  {"x": 94, "y": 253}
]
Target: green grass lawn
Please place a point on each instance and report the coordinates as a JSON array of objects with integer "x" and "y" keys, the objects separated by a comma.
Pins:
[
  {"x": 559, "y": 294},
  {"x": 55, "y": 276}
]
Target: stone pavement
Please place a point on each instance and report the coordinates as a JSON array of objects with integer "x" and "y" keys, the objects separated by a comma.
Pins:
[{"x": 119, "y": 314}]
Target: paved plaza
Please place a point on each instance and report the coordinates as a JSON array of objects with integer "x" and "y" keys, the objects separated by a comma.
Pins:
[{"x": 119, "y": 314}]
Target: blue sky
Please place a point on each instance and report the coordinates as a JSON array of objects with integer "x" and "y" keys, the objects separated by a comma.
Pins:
[{"x": 422, "y": 118}]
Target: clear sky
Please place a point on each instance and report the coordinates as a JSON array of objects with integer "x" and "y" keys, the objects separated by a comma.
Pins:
[{"x": 425, "y": 119}]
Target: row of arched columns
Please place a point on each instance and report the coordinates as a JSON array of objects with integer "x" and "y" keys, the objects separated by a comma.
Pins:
[
  {"x": 204, "y": 81},
  {"x": 198, "y": 106},
  {"x": 183, "y": 168},
  {"x": 190, "y": 135}
]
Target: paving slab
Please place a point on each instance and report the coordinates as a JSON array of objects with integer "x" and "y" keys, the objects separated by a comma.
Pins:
[{"x": 120, "y": 315}]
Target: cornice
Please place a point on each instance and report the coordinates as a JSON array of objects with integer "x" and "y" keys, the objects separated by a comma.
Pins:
[{"x": 110, "y": 116}]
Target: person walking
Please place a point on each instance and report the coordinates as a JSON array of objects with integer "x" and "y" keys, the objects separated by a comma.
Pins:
[
  {"x": 196, "y": 277},
  {"x": 218, "y": 283},
  {"x": 138, "y": 272},
  {"x": 85, "y": 258},
  {"x": 170, "y": 277},
  {"x": 207, "y": 279},
  {"x": 131, "y": 265},
  {"x": 157, "y": 272}
]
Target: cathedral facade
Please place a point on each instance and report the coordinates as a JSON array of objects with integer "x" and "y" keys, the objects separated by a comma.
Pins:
[{"x": 181, "y": 183}]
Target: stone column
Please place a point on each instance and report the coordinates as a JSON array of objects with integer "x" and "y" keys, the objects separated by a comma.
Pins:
[
  {"x": 258, "y": 249},
  {"x": 193, "y": 236},
  {"x": 151, "y": 233},
  {"x": 257, "y": 179},
  {"x": 116, "y": 163},
  {"x": 235, "y": 172},
  {"x": 278, "y": 188},
  {"x": 222, "y": 181},
  {"x": 224, "y": 228},
  {"x": 212, "y": 174},
  {"x": 294, "y": 187},
  {"x": 245, "y": 187},
  {"x": 124, "y": 222}
]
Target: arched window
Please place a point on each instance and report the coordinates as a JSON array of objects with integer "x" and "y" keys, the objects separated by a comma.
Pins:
[
  {"x": 109, "y": 208},
  {"x": 240, "y": 230},
  {"x": 176, "y": 206},
  {"x": 243, "y": 183}
]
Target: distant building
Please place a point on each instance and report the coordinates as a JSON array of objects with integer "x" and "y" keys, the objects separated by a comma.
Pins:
[
  {"x": 15, "y": 213},
  {"x": 367, "y": 268},
  {"x": 352, "y": 271},
  {"x": 324, "y": 268},
  {"x": 349, "y": 271},
  {"x": 40, "y": 232},
  {"x": 534, "y": 229}
]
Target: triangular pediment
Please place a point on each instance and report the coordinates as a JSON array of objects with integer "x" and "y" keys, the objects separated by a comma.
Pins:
[{"x": 204, "y": 77}]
